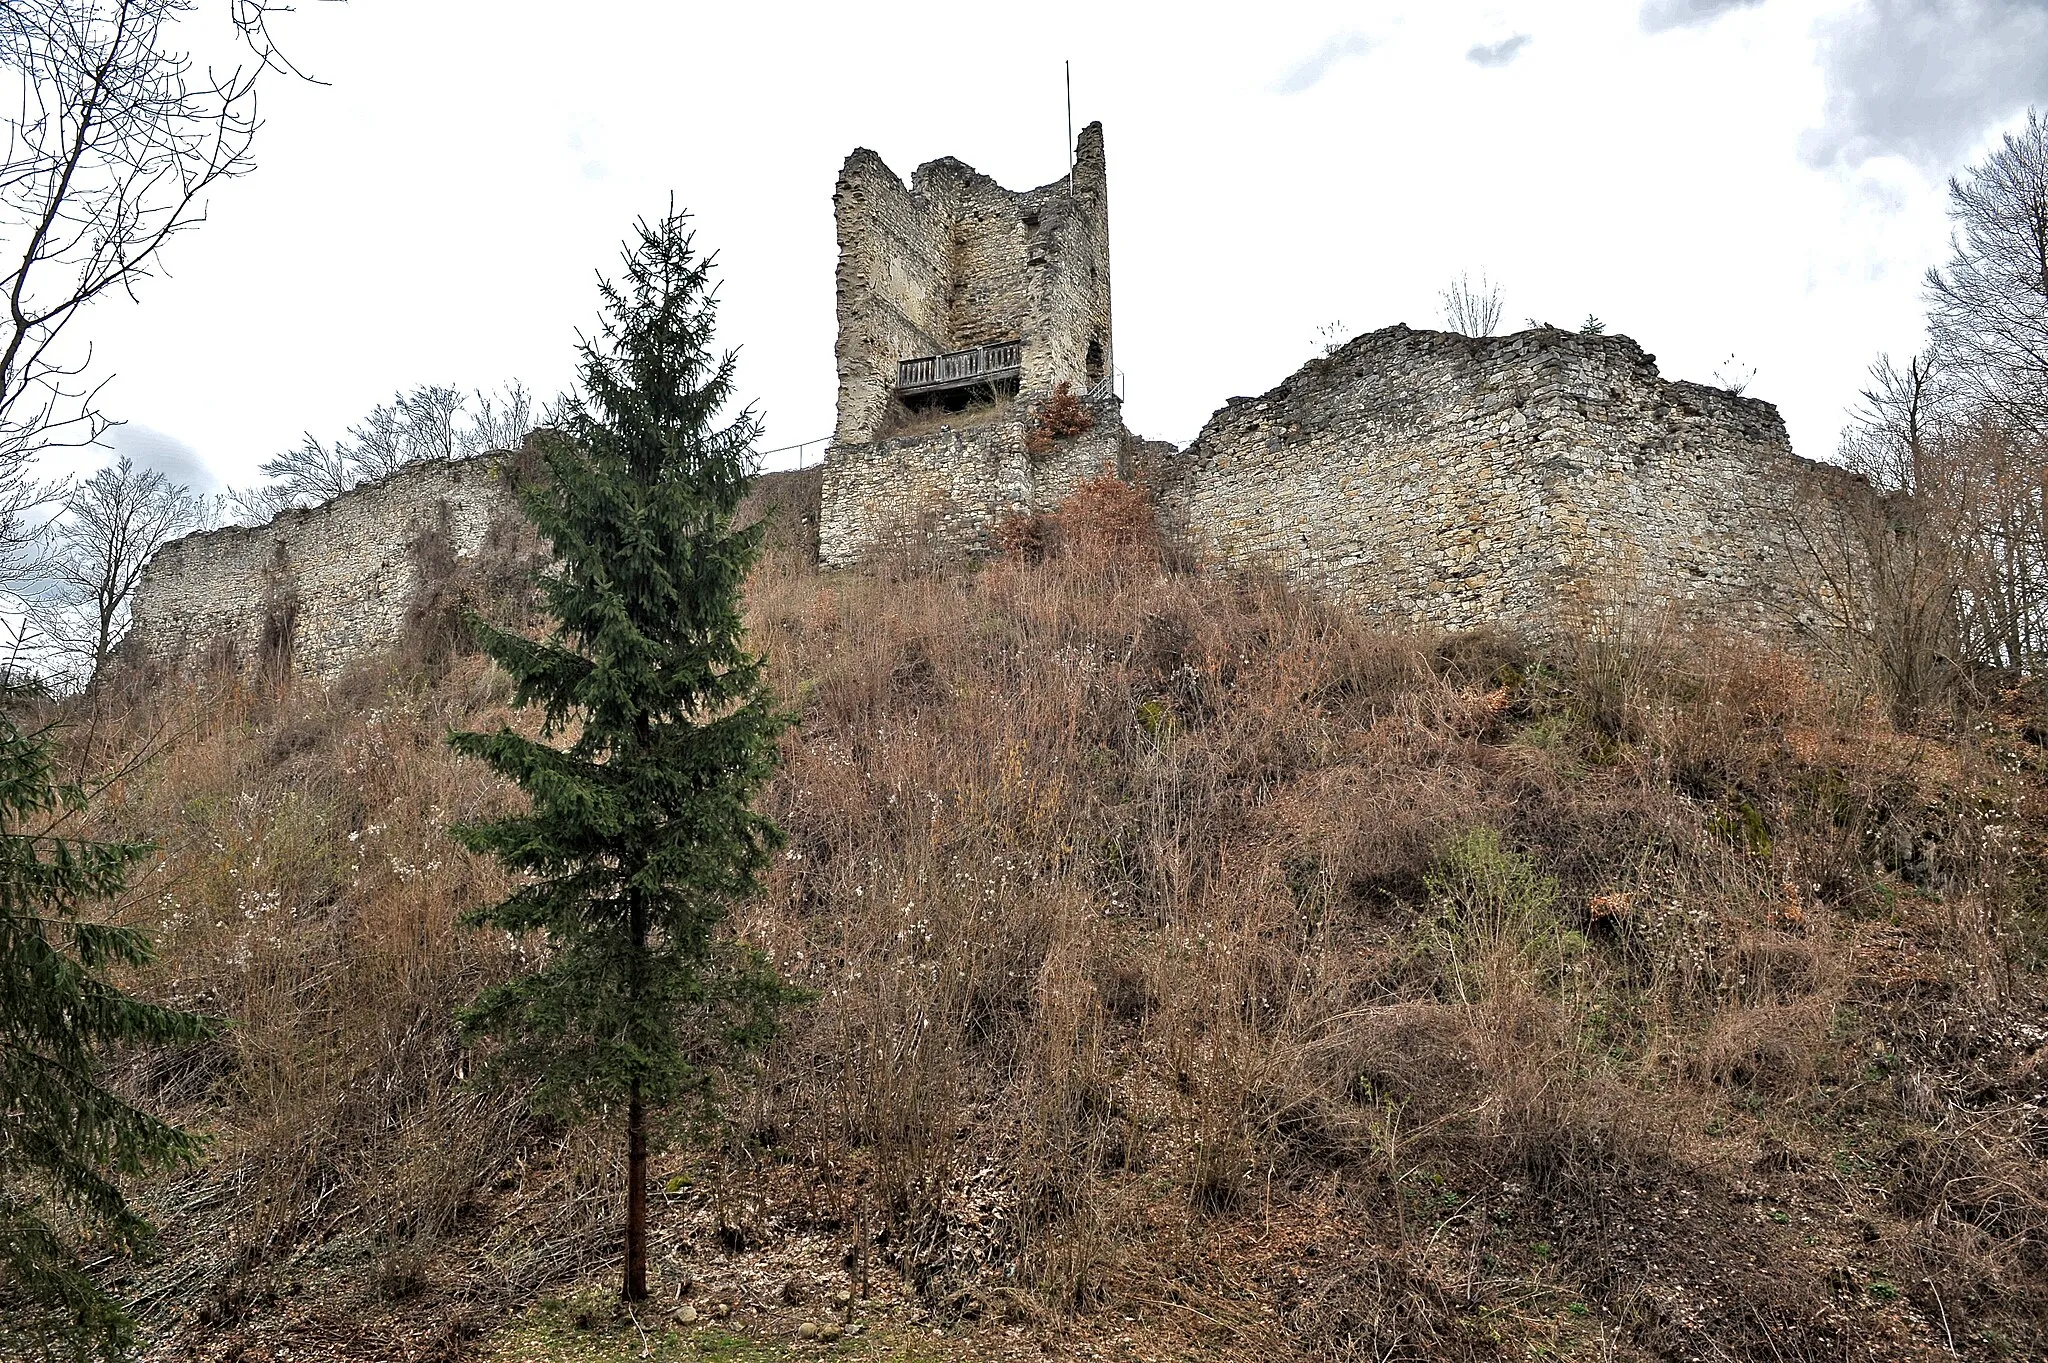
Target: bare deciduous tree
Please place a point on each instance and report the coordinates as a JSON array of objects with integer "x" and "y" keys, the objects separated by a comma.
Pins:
[
  {"x": 1891, "y": 567},
  {"x": 502, "y": 423},
  {"x": 1879, "y": 587},
  {"x": 110, "y": 525},
  {"x": 116, "y": 139},
  {"x": 1947, "y": 563},
  {"x": 1988, "y": 312},
  {"x": 1954, "y": 563},
  {"x": 1471, "y": 311},
  {"x": 311, "y": 472},
  {"x": 416, "y": 425},
  {"x": 424, "y": 423},
  {"x": 250, "y": 506}
]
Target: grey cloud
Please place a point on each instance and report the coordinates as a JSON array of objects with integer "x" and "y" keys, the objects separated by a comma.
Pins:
[
  {"x": 1924, "y": 79},
  {"x": 1310, "y": 73},
  {"x": 152, "y": 449},
  {"x": 1498, "y": 54},
  {"x": 1658, "y": 15}
]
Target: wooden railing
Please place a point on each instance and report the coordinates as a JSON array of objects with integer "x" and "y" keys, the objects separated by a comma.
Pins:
[{"x": 957, "y": 368}]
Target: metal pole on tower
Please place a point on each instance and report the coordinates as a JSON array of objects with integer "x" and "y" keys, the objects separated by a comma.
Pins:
[{"x": 1070, "y": 129}]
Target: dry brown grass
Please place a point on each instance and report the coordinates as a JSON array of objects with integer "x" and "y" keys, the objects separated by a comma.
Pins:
[
  {"x": 1187, "y": 947},
  {"x": 984, "y": 410}
]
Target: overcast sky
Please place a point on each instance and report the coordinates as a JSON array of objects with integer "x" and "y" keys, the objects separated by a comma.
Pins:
[{"x": 1759, "y": 179}]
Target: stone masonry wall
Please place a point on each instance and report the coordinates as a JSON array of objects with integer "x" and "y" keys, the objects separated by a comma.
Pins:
[
  {"x": 894, "y": 280},
  {"x": 955, "y": 260},
  {"x": 985, "y": 300},
  {"x": 948, "y": 488},
  {"x": 1069, "y": 284},
  {"x": 329, "y": 584},
  {"x": 335, "y": 584},
  {"x": 1544, "y": 479}
]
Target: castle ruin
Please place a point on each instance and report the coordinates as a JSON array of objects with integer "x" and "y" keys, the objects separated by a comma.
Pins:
[
  {"x": 1538, "y": 480},
  {"x": 315, "y": 589},
  {"x": 1545, "y": 480},
  {"x": 962, "y": 307}
]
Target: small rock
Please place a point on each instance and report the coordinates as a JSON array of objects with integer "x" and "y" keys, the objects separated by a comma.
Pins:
[
  {"x": 808, "y": 1330},
  {"x": 842, "y": 1299},
  {"x": 688, "y": 1315},
  {"x": 830, "y": 1333}
]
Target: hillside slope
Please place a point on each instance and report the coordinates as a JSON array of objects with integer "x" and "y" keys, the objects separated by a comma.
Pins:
[{"x": 1199, "y": 972}]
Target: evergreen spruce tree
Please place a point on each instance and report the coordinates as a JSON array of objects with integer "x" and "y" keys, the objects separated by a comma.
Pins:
[
  {"x": 65, "y": 1137},
  {"x": 641, "y": 834}
]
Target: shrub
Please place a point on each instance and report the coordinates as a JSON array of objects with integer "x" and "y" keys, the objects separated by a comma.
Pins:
[
  {"x": 1104, "y": 519},
  {"x": 1062, "y": 417},
  {"x": 1025, "y": 535},
  {"x": 1490, "y": 898},
  {"x": 1105, "y": 514}
]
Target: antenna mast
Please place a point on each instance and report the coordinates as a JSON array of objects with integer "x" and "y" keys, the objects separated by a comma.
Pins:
[{"x": 1070, "y": 129}]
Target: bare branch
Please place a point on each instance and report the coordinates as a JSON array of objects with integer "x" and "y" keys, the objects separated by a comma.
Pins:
[
  {"x": 115, "y": 138},
  {"x": 424, "y": 423},
  {"x": 1470, "y": 310},
  {"x": 110, "y": 525},
  {"x": 1988, "y": 312}
]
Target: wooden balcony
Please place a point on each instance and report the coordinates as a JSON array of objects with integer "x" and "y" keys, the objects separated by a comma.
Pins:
[{"x": 960, "y": 368}]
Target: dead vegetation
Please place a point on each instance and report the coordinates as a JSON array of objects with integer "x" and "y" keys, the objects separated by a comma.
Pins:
[
  {"x": 983, "y": 408},
  {"x": 1062, "y": 416},
  {"x": 1194, "y": 963}
]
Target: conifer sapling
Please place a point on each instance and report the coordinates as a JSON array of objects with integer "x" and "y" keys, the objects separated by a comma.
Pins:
[
  {"x": 658, "y": 730},
  {"x": 65, "y": 1137}
]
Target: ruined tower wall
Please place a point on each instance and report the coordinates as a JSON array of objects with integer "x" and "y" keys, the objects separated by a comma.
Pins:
[
  {"x": 894, "y": 285},
  {"x": 988, "y": 299},
  {"x": 951, "y": 262},
  {"x": 1539, "y": 480},
  {"x": 1069, "y": 260},
  {"x": 955, "y": 260}
]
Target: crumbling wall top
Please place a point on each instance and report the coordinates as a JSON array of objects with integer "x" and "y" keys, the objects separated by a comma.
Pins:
[{"x": 953, "y": 261}]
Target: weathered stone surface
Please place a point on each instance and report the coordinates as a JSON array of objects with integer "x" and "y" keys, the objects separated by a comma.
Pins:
[
  {"x": 1542, "y": 480},
  {"x": 1545, "y": 479},
  {"x": 955, "y": 261},
  {"x": 948, "y": 488},
  {"x": 318, "y": 588}
]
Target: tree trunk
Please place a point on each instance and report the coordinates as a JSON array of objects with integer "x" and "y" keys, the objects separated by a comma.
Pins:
[
  {"x": 636, "y": 1132},
  {"x": 636, "y": 1198}
]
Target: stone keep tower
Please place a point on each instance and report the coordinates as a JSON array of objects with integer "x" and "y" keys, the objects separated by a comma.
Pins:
[{"x": 962, "y": 305}]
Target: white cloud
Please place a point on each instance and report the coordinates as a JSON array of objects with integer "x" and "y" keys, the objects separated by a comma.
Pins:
[
  {"x": 1660, "y": 15},
  {"x": 1309, "y": 73},
  {"x": 425, "y": 217},
  {"x": 1498, "y": 54},
  {"x": 152, "y": 449}
]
